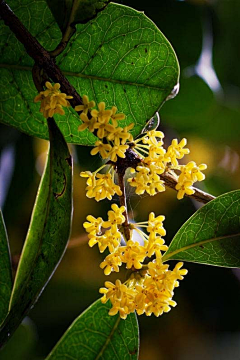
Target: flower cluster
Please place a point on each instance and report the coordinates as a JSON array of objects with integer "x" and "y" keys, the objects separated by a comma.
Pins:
[
  {"x": 149, "y": 291},
  {"x": 52, "y": 100},
  {"x": 104, "y": 123},
  {"x": 150, "y": 287},
  {"x": 156, "y": 161}
]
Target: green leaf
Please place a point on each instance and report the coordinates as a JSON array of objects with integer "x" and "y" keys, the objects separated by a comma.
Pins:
[
  {"x": 212, "y": 235},
  {"x": 48, "y": 232},
  {"x": 5, "y": 271},
  {"x": 96, "y": 335},
  {"x": 71, "y": 12},
  {"x": 120, "y": 57}
]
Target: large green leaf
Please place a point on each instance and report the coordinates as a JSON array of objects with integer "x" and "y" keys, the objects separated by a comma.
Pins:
[
  {"x": 95, "y": 335},
  {"x": 5, "y": 271},
  {"x": 48, "y": 232},
  {"x": 120, "y": 57},
  {"x": 212, "y": 235}
]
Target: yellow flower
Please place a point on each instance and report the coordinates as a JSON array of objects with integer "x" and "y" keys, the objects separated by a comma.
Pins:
[
  {"x": 102, "y": 115},
  {"x": 115, "y": 216},
  {"x": 152, "y": 137},
  {"x": 155, "y": 225},
  {"x": 118, "y": 150},
  {"x": 87, "y": 123},
  {"x": 184, "y": 188},
  {"x": 192, "y": 172},
  {"x": 104, "y": 128},
  {"x": 133, "y": 255},
  {"x": 119, "y": 136},
  {"x": 87, "y": 105},
  {"x": 52, "y": 100},
  {"x": 101, "y": 148},
  {"x": 175, "y": 151},
  {"x": 111, "y": 263},
  {"x": 116, "y": 117},
  {"x": 146, "y": 179},
  {"x": 93, "y": 225}
]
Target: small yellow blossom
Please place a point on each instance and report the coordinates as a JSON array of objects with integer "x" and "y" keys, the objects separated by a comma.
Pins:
[
  {"x": 111, "y": 263},
  {"x": 93, "y": 225},
  {"x": 155, "y": 225},
  {"x": 133, "y": 255},
  {"x": 102, "y": 149},
  {"x": 176, "y": 151},
  {"x": 52, "y": 100},
  {"x": 115, "y": 216},
  {"x": 101, "y": 114},
  {"x": 87, "y": 105},
  {"x": 192, "y": 172},
  {"x": 104, "y": 128},
  {"x": 87, "y": 123},
  {"x": 184, "y": 188},
  {"x": 116, "y": 117},
  {"x": 118, "y": 150}
]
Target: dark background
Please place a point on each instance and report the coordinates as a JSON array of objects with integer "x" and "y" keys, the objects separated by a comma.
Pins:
[{"x": 206, "y": 322}]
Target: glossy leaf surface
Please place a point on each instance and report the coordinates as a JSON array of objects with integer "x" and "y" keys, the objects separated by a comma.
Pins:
[
  {"x": 5, "y": 271},
  {"x": 120, "y": 57},
  {"x": 48, "y": 232},
  {"x": 212, "y": 235},
  {"x": 96, "y": 335}
]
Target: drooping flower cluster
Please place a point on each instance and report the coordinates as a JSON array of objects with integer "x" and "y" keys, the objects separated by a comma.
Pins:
[
  {"x": 52, "y": 100},
  {"x": 150, "y": 287}
]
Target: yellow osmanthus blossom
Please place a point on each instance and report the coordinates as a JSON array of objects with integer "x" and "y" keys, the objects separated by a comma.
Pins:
[
  {"x": 86, "y": 106},
  {"x": 176, "y": 151},
  {"x": 52, "y": 100},
  {"x": 183, "y": 188},
  {"x": 116, "y": 117},
  {"x": 101, "y": 113},
  {"x": 100, "y": 186},
  {"x": 102, "y": 149},
  {"x": 87, "y": 123}
]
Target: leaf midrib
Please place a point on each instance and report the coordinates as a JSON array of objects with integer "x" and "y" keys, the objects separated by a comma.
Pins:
[
  {"x": 108, "y": 339},
  {"x": 184, "y": 248},
  {"x": 93, "y": 77}
]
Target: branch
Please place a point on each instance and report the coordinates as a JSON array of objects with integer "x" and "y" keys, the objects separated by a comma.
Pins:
[
  {"x": 199, "y": 195},
  {"x": 41, "y": 56}
]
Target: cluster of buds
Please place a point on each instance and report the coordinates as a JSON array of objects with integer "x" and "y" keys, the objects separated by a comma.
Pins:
[{"x": 52, "y": 100}]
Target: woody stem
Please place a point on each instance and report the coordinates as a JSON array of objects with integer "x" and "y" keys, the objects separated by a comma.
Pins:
[{"x": 123, "y": 202}]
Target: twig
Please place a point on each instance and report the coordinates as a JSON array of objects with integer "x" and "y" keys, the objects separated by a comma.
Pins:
[
  {"x": 199, "y": 195},
  {"x": 41, "y": 56}
]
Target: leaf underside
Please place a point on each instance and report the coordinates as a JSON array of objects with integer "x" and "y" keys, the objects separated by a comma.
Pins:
[
  {"x": 120, "y": 57},
  {"x": 48, "y": 232},
  {"x": 212, "y": 235},
  {"x": 96, "y": 335}
]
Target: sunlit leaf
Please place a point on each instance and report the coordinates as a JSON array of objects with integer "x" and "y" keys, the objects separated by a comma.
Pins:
[
  {"x": 5, "y": 271},
  {"x": 120, "y": 57},
  {"x": 96, "y": 335},
  {"x": 212, "y": 235},
  {"x": 48, "y": 232}
]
